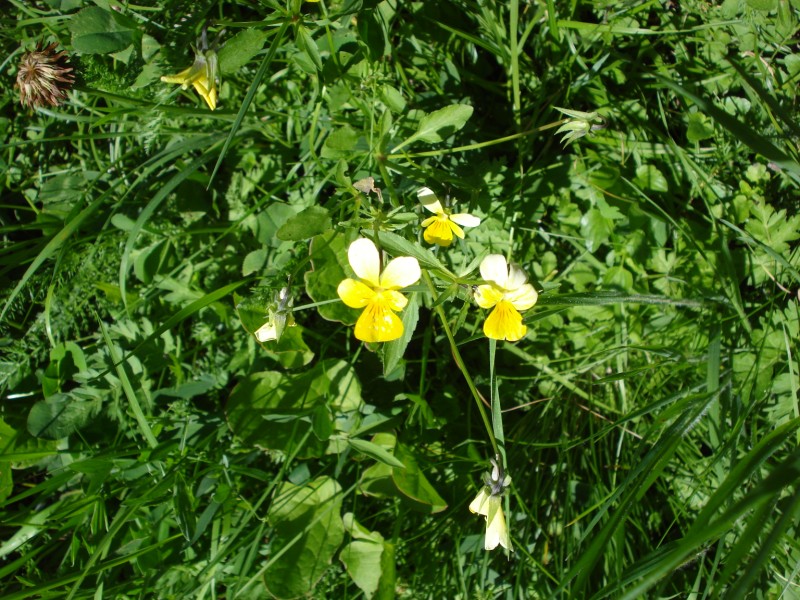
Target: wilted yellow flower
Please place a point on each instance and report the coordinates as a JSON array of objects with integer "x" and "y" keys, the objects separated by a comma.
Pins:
[
  {"x": 377, "y": 292},
  {"x": 278, "y": 318},
  {"x": 202, "y": 75},
  {"x": 489, "y": 503},
  {"x": 440, "y": 228},
  {"x": 509, "y": 293},
  {"x": 44, "y": 77}
]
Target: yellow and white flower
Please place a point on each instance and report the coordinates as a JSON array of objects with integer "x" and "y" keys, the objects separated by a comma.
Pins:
[
  {"x": 202, "y": 75},
  {"x": 439, "y": 229},
  {"x": 507, "y": 291},
  {"x": 489, "y": 503},
  {"x": 377, "y": 291}
]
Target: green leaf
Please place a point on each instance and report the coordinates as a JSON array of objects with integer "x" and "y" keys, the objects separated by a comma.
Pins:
[
  {"x": 310, "y": 222},
  {"x": 400, "y": 246},
  {"x": 595, "y": 229},
  {"x": 375, "y": 451},
  {"x": 306, "y": 43},
  {"x": 308, "y": 531},
  {"x": 328, "y": 258},
  {"x": 254, "y": 261},
  {"x": 98, "y": 31},
  {"x": 700, "y": 127},
  {"x": 762, "y": 5},
  {"x": 362, "y": 559},
  {"x": 648, "y": 177},
  {"x": 414, "y": 485},
  {"x": 393, "y": 351},
  {"x": 442, "y": 123},
  {"x": 238, "y": 50},
  {"x": 59, "y": 416}
]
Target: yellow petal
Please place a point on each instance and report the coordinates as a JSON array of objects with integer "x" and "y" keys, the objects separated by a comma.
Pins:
[
  {"x": 504, "y": 323},
  {"x": 439, "y": 232},
  {"x": 210, "y": 96},
  {"x": 455, "y": 229},
  {"x": 496, "y": 530},
  {"x": 400, "y": 272},
  {"x": 487, "y": 296},
  {"x": 365, "y": 260},
  {"x": 393, "y": 299},
  {"x": 523, "y": 297},
  {"x": 428, "y": 221},
  {"x": 465, "y": 220},
  {"x": 430, "y": 201},
  {"x": 479, "y": 505},
  {"x": 495, "y": 269},
  {"x": 378, "y": 324},
  {"x": 268, "y": 331},
  {"x": 354, "y": 293}
]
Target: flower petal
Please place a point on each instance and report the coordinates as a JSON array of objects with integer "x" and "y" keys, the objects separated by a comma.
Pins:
[
  {"x": 465, "y": 220},
  {"x": 209, "y": 95},
  {"x": 487, "y": 296},
  {"x": 495, "y": 269},
  {"x": 429, "y": 200},
  {"x": 394, "y": 300},
  {"x": 268, "y": 331},
  {"x": 378, "y": 324},
  {"x": 516, "y": 277},
  {"x": 428, "y": 221},
  {"x": 478, "y": 505},
  {"x": 439, "y": 232},
  {"x": 523, "y": 297},
  {"x": 496, "y": 530},
  {"x": 354, "y": 293},
  {"x": 504, "y": 323},
  {"x": 456, "y": 229},
  {"x": 400, "y": 272},
  {"x": 365, "y": 260}
]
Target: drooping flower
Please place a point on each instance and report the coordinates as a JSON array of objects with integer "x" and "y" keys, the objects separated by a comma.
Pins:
[
  {"x": 377, "y": 291},
  {"x": 489, "y": 503},
  {"x": 439, "y": 229},
  {"x": 202, "y": 75},
  {"x": 507, "y": 291},
  {"x": 279, "y": 317},
  {"x": 44, "y": 77}
]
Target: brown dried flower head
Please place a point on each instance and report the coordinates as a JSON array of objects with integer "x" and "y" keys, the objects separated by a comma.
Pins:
[{"x": 44, "y": 77}]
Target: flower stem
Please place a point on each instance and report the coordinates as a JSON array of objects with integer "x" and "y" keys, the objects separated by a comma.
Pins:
[{"x": 460, "y": 363}]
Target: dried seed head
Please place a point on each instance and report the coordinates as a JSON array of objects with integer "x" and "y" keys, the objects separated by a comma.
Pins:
[{"x": 44, "y": 77}]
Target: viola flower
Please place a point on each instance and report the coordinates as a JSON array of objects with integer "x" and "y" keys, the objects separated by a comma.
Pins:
[
  {"x": 489, "y": 503},
  {"x": 506, "y": 290},
  {"x": 202, "y": 75},
  {"x": 278, "y": 318},
  {"x": 439, "y": 229},
  {"x": 377, "y": 292}
]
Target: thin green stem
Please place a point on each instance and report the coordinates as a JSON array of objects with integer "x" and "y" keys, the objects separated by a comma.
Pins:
[{"x": 460, "y": 363}]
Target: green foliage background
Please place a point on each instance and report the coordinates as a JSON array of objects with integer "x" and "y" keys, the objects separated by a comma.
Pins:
[{"x": 151, "y": 447}]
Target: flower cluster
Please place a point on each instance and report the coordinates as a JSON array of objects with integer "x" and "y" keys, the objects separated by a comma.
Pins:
[
  {"x": 489, "y": 503},
  {"x": 44, "y": 77}
]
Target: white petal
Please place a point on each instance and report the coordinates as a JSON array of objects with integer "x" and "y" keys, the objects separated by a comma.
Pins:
[
  {"x": 364, "y": 258},
  {"x": 465, "y": 220},
  {"x": 429, "y": 200},
  {"x": 400, "y": 272},
  {"x": 495, "y": 269},
  {"x": 516, "y": 277}
]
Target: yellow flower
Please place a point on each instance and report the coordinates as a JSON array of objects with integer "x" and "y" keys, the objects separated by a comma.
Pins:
[
  {"x": 440, "y": 228},
  {"x": 377, "y": 292},
  {"x": 489, "y": 503},
  {"x": 509, "y": 293},
  {"x": 202, "y": 75}
]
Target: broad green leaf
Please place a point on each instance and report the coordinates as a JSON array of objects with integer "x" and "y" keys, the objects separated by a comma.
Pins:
[
  {"x": 238, "y": 50},
  {"x": 254, "y": 261},
  {"x": 400, "y": 246},
  {"x": 328, "y": 259},
  {"x": 306, "y": 43},
  {"x": 595, "y": 229},
  {"x": 98, "y": 31},
  {"x": 59, "y": 416},
  {"x": 700, "y": 127},
  {"x": 441, "y": 124},
  {"x": 307, "y": 532},
  {"x": 414, "y": 485},
  {"x": 648, "y": 177},
  {"x": 362, "y": 559},
  {"x": 310, "y": 222}
]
